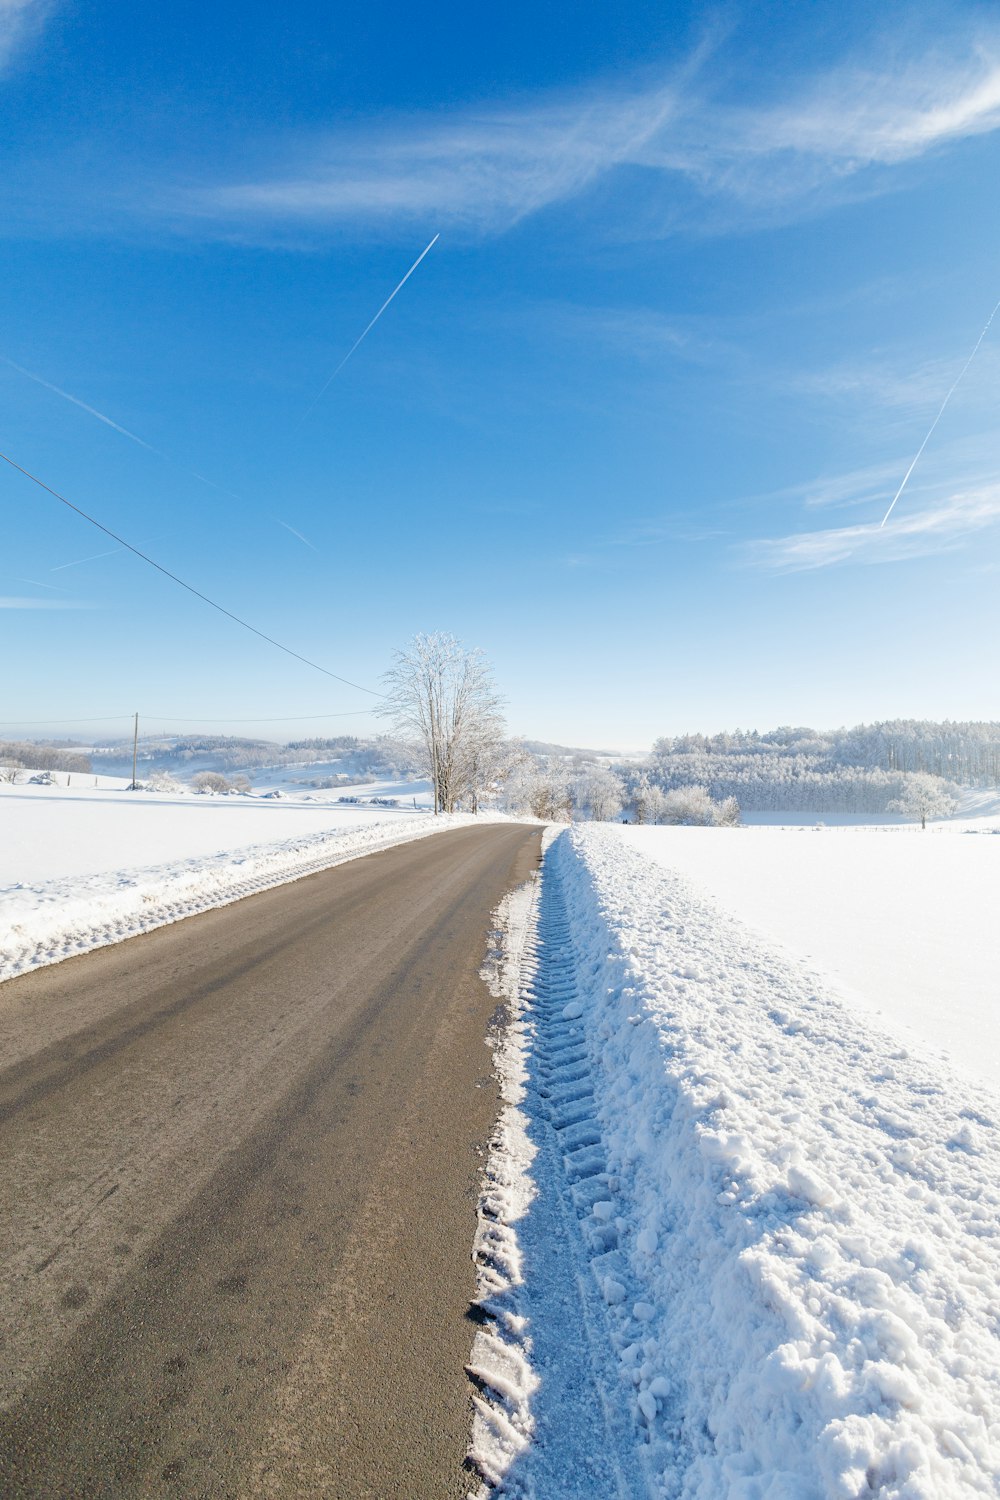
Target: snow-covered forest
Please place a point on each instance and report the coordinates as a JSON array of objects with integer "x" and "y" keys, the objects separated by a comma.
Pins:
[{"x": 858, "y": 770}]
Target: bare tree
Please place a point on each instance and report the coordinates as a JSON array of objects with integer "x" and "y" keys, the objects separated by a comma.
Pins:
[{"x": 443, "y": 696}]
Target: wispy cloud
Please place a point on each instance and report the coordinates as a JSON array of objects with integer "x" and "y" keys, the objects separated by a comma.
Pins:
[
  {"x": 479, "y": 170},
  {"x": 485, "y": 170},
  {"x": 870, "y": 484},
  {"x": 20, "y": 23},
  {"x": 839, "y": 125},
  {"x": 937, "y": 528},
  {"x": 9, "y": 601},
  {"x": 878, "y": 382}
]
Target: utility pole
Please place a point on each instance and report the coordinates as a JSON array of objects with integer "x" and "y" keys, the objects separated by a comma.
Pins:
[{"x": 135, "y": 753}]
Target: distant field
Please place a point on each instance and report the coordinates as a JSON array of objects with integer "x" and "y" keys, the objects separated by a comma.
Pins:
[{"x": 902, "y": 921}]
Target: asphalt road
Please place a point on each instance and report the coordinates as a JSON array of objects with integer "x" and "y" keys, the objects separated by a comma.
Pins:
[{"x": 240, "y": 1162}]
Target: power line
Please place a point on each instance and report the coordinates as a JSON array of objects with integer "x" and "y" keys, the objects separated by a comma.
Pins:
[{"x": 190, "y": 587}]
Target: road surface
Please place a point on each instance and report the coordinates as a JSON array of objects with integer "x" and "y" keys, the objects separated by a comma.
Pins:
[{"x": 241, "y": 1161}]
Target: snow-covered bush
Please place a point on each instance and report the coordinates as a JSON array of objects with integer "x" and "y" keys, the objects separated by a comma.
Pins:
[
  {"x": 210, "y": 781},
  {"x": 162, "y": 781},
  {"x": 691, "y": 805}
]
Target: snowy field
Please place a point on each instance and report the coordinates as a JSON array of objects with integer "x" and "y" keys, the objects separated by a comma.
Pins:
[
  {"x": 780, "y": 1277},
  {"x": 81, "y": 866},
  {"x": 903, "y": 921},
  {"x": 53, "y": 832}
]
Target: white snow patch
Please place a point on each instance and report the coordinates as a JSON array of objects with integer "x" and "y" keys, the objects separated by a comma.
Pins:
[
  {"x": 809, "y": 1213},
  {"x": 902, "y": 920},
  {"x": 501, "y": 1352},
  {"x": 80, "y": 868}
]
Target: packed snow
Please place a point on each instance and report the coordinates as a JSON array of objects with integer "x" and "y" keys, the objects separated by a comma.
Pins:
[
  {"x": 903, "y": 921},
  {"x": 81, "y": 866},
  {"x": 781, "y": 1270}
]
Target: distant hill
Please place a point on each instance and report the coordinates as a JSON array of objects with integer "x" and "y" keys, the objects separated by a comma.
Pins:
[
  {"x": 569, "y": 752},
  {"x": 343, "y": 761}
]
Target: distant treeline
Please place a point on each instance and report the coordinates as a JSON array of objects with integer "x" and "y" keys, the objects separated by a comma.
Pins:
[
  {"x": 342, "y": 744},
  {"x": 964, "y": 752},
  {"x": 41, "y": 757},
  {"x": 859, "y": 770}
]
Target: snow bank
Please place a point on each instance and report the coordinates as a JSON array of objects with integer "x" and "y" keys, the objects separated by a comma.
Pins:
[
  {"x": 903, "y": 921},
  {"x": 805, "y": 1303},
  {"x": 500, "y": 1361},
  {"x": 42, "y": 922}
]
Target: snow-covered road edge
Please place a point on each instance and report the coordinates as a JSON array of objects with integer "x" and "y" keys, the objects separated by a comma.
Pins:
[
  {"x": 43, "y": 924},
  {"x": 807, "y": 1215},
  {"x": 500, "y": 1365}
]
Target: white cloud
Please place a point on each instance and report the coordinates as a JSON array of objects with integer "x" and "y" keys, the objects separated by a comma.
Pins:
[
  {"x": 481, "y": 170},
  {"x": 485, "y": 170},
  {"x": 920, "y": 387},
  {"x": 937, "y": 528},
  {"x": 872, "y": 484},
  {"x": 839, "y": 125},
  {"x": 20, "y": 22}
]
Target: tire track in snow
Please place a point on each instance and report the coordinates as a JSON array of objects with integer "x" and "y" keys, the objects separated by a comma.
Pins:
[{"x": 552, "y": 1415}]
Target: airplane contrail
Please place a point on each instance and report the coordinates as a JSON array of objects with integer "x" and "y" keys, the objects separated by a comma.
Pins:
[
  {"x": 30, "y": 375},
  {"x": 940, "y": 414},
  {"x": 296, "y": 533},
  {"x": 77, "y": 561},
  {"x": 320, "y": 394},
  {"x": 93, "y": 412},
  {"x": 39, "y": 585}
]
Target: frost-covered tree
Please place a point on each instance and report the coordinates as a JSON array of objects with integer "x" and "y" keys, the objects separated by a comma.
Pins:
[
  {"x": 551, "y": 798},
  {"x": 924, "y": 797},
  {"x": 645, "y": 802},
  {"x": 598, "y": 794},
  {"x": 691, "y": 805},
  {"x": 443, "y": 697},
  {"x": 727, "y": 813}
]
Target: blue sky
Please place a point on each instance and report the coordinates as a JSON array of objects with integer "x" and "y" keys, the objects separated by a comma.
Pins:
[{"x": 703, "y": 279}]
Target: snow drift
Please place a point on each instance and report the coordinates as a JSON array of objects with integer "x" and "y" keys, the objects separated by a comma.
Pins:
[{"x": 807, "y": 1215}]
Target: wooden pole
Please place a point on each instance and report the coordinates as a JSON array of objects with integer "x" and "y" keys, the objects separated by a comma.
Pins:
[{"x": 135, "y": 752}]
